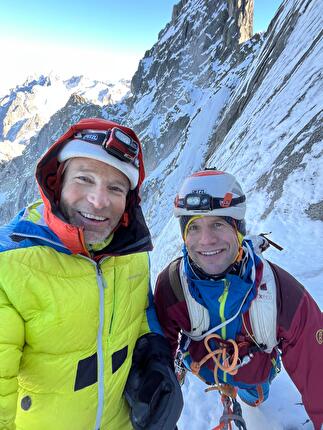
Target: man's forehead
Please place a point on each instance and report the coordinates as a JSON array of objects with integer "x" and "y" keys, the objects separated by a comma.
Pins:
[
  {"x": 96, "y": 167},
  {"x": 85, "y": 163},
  {"x": 209, "y": 219}
]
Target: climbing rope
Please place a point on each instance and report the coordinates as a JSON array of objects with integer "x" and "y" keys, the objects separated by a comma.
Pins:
[
  {"x": 229, "y": 364},
  {"x": 229, "y": 361}
]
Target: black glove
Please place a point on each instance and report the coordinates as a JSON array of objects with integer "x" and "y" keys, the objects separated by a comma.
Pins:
[{"x": 152, "y": 389}]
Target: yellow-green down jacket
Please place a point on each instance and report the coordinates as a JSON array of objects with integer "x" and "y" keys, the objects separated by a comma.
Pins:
[
  {"x": 69, "y": 320},
  {"x": 68, "y": 326}
]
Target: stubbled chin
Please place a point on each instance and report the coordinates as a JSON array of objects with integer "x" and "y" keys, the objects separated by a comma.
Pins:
[
  {"x": 213, "y": 264},
  {"x": 92, "y": 237}
]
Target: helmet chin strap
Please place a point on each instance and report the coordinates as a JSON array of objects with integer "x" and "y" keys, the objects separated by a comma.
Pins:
[
  {"x": 239, "y": 255},
  {"x": 239, "y": 237}
]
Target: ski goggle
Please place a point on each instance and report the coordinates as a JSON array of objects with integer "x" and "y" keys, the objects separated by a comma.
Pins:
[
  {"x": 205, "y": 202},
  {"x": 115, "y": 142}
]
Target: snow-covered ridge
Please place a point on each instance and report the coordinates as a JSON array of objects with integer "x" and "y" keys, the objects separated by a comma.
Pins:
[{"x": 27, "y": 107}]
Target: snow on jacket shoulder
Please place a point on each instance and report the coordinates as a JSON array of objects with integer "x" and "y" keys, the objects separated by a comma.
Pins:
[{"x": 299, "y": 322}]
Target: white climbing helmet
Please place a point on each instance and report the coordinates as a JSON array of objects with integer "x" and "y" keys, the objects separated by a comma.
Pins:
[{"x": 210, "y": 192}]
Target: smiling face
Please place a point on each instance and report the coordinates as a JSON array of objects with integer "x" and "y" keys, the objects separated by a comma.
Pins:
[
  {"x": 212, "y": 244},
  {"x": 93, "y": 197}
]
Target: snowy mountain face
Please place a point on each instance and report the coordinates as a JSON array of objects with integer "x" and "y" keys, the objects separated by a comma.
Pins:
[
  {"x": 197, "y": 58},
  {"x": 208, "y": 93},
  {"x": 27, "y": 108}
]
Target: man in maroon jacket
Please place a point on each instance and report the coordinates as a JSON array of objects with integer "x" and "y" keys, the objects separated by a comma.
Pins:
[{"x": 237, "y": 313}]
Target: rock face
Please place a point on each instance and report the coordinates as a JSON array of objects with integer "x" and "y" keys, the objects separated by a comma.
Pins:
[
  {"x": 241, "y": 11},
  {"x": 288, "y": 108},
  {"x": 198, "y": 50}
]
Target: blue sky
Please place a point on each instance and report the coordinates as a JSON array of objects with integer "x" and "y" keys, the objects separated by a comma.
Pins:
[
  {"x": 100, "y": 38},
  {"x": 125, "y": 23},
  {"x": 264, "y": 11}
]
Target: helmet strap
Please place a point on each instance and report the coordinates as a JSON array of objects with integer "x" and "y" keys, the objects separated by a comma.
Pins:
[
  {"x": 188, "y": 224},
  {"x": 239, "y": 240}
]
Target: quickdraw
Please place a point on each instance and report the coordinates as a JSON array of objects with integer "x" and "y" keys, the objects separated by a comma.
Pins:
[
  {"x": 180, "y": 369},
  {"x": 231, "y": 412}
]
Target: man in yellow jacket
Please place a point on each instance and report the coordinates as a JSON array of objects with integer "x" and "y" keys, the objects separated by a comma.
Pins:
[{"x": 80, "y": 345}]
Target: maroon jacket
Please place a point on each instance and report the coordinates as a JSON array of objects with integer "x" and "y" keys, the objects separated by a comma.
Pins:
[{"x": 299, "y": 331}]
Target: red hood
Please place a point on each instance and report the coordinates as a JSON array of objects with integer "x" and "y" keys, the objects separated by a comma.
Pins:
[{"x": 49, "y": 175}]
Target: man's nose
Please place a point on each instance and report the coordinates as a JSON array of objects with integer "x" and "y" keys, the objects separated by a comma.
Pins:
[
  {"x": 206, "y": 236},
  {"x": 99, "y": 197}
]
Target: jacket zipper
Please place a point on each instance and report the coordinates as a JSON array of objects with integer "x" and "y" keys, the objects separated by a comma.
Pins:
[
  {"x": 223, "y": 299},
  {"x": 102, "y": 286}
]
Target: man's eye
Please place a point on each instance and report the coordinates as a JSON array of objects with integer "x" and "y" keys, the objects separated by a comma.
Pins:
[
  {"x": 192, "y": 227},
  {"x": 218, "y": 225},
  {"x": 117, "y": 189},
  {"x": 84, "y": 179}
]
